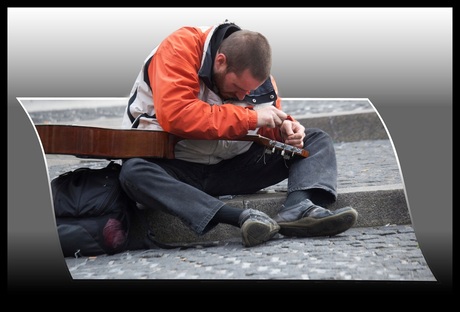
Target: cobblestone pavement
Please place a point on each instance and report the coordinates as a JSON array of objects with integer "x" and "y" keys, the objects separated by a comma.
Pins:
[{"x": 382, "y": 253}]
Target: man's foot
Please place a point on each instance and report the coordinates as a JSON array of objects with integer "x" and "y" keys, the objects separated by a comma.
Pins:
[
  {"x": 256, "y": 227},
  {"x": 307, "y": 220}
]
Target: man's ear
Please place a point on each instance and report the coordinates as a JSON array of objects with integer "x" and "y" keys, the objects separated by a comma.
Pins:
[{"x": 220, "y": 61}]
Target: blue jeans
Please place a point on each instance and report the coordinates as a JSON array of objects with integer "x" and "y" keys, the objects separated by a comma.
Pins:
[{"x": 190, "y": 191}]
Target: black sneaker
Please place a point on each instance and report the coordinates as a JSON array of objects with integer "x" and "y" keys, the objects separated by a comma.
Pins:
[
  {"x": 308, "y": 220},
  {"x": 256, "y": 227}
]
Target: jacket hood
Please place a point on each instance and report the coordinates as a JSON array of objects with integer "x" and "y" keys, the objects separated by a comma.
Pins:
[
  {"x": 265, "y": 93},
  {"x": 220, "y": 33}
]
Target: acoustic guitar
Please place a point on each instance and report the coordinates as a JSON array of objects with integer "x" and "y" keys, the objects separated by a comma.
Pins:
[{"x": 111, "y": 143}]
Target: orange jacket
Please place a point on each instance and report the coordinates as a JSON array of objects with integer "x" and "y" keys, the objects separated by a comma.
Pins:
[{"x": 173, "y": 92}]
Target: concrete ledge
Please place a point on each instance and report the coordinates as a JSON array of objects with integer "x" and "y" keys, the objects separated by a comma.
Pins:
[
  {"x": 348, "y": 126},
  {"x": 376, "y": 206}
]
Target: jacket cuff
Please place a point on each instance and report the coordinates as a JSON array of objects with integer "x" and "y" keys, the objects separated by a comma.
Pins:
[{"x": 252, "y": 119}]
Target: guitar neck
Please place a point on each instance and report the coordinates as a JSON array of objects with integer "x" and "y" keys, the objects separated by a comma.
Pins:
[{"x": 109, "y": 143}]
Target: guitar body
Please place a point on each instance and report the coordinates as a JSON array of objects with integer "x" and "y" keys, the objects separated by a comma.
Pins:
[
  {"x": 109, "y": 143},
  {"x": 106, "y": 143}
]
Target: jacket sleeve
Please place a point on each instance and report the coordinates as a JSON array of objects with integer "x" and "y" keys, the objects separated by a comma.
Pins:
[{"x": 175, "y": 87}]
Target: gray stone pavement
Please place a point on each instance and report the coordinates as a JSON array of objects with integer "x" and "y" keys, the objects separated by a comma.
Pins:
[{"x": 389, "y": 252}]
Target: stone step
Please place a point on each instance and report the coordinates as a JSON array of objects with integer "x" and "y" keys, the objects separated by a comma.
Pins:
[
  {"x": 377, "y": 206},
  {"x": 348, "y": 126}
]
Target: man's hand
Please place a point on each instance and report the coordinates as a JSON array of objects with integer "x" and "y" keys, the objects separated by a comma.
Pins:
[
  {"x": 270, "y": 117},
  {"x": 293, "y": 133}
]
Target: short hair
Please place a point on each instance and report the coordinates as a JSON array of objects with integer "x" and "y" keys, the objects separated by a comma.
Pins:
[{"x": 247, "y": 49}]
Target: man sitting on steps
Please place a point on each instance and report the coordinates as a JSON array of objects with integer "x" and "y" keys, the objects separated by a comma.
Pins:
[{"x": 212, "y": 86}]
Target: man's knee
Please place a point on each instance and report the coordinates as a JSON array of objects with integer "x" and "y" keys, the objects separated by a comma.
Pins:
[
  {"x": 128, "y": 168},
  {"x": 317, "y": 134}
]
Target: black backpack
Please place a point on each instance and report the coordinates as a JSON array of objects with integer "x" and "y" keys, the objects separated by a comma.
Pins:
[{"x": 93, "y": 213}]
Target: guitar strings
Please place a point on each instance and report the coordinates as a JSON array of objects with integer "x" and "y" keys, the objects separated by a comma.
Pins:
[
  {"x": 265, "y": 161},
  {"x": 262, "y": 156}
]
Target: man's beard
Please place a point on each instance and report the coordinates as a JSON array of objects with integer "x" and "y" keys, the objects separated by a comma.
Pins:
[{"x": 218, "y": 81}]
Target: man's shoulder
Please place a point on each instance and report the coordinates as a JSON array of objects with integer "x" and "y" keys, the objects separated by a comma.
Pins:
[{"x": 187, "y": 36}]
